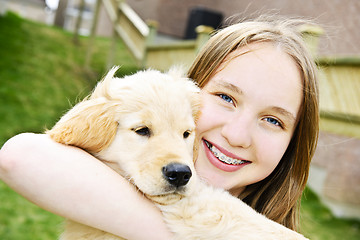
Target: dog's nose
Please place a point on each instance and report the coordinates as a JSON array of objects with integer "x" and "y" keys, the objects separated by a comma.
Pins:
[{"x": 177, "y": 174}]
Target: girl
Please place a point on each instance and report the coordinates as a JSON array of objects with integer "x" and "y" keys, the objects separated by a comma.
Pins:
[{"x": 257, "y": 133}]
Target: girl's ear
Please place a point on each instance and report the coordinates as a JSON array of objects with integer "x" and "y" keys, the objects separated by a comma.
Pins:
[{"x": 90, "y": 125}]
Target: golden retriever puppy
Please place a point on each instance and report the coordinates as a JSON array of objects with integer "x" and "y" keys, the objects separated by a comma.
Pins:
[{"x": 143, "y": 126}]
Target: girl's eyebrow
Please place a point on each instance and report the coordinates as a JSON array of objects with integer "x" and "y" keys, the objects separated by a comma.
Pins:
[
  {"x": 229, "y": 86},
  {"x": 285, "y": 113}
]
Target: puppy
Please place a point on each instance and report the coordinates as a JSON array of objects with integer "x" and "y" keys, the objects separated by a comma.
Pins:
[{"x": 143, "y": 126}]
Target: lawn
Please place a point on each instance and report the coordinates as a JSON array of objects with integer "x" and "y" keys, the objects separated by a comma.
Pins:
[{"x": 42, "y": 75}]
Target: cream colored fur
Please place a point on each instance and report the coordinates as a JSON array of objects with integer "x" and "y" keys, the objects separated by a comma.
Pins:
[{"x": 110, "y": 123}]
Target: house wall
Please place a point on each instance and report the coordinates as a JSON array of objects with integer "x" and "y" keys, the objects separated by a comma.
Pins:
[{"x": 340, "y": 18}]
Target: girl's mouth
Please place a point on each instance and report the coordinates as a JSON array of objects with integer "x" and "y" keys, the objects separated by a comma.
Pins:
[{"x": 222, "y": 157}]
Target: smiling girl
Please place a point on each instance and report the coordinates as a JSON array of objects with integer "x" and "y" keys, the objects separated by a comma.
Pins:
[{"x": 257, "y": 134}]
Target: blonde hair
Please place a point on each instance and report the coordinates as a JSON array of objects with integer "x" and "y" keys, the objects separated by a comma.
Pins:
[{"x": 277, "y": 196}]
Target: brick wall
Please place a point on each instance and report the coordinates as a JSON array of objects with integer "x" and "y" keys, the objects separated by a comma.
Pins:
[{"x": 335, "y": 174}]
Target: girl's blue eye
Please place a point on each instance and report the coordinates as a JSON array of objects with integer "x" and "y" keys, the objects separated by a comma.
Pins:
[
  {"x": 273, "y": 121},
  {"x": 226, "y": 98}
]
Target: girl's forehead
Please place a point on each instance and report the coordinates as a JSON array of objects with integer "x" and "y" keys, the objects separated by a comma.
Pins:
[
  {"x": 268, "y": 48},
  {"x": 260, "y": 58}
]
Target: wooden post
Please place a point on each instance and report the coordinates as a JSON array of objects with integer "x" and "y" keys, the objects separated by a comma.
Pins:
[
  {"x": 150, "y": 39},
  {"x": 153, "y": 26},
  {"x": 90, "y": 47},
  {"x": 60, "y": 13},
  {"x": 311, "y": 35},
  {"x": 203, "y": 35},
  {"x": 79, "y": 21},
  {"x": 112, "y": 49}
]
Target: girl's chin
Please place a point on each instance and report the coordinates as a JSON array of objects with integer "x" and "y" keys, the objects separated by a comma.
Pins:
[
  {"x": 213, "y": 176},
  {"x": 220, "y": 181}
]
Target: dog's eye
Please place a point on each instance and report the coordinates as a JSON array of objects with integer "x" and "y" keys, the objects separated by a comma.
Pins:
[
  {"x": 143, "y": 131},
  {"x": 187, "y": 133}
]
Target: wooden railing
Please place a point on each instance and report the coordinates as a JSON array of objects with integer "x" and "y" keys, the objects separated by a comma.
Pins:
[
  {"x": 129, "y": 26},
  {"x": 339, "y": 85},
  {"x": 340, "y": 95},
  {"x": 140, "y": 38}
]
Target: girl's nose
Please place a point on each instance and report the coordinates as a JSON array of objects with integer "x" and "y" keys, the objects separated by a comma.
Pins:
[{"x": 238, "y": 131}]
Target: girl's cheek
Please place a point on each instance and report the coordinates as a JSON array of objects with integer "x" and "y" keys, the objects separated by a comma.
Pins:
[
  {"x": 209, "y": 118},
  {"x": 273, "y": 150},
  {"x": 203, "y": 121}
]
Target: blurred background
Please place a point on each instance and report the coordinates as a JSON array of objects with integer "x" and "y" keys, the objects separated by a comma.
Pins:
[{"x": 52, "y": 52}]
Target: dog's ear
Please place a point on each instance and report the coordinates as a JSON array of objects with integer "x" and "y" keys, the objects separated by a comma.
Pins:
[
  {"x": 178, "y": 73},
  {"x": 196, "y": 105},
  {"x": 102, "y": 89},
  {"x": 194, "y": 95},
  {"x": 196, "y": 111},
  {"x": 90, "y": 125}
]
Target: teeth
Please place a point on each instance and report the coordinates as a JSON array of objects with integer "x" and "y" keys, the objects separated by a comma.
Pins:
[{"x": 222, "y": 157}]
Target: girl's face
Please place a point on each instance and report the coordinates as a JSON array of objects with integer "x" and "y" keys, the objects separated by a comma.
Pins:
[{"x": 249, "y": 113}]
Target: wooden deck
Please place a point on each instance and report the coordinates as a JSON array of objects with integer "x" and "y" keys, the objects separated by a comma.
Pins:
[{"x": 340, "y": 95}]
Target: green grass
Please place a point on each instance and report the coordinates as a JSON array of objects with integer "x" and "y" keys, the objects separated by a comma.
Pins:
[
  {"x": 319, "y": 224},
  {"x": 41, "y": 75},
  {"x": 22, "y": 220}
]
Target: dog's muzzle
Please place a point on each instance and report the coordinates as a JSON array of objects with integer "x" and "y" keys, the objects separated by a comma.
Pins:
[{"x": 177, "y": 174}]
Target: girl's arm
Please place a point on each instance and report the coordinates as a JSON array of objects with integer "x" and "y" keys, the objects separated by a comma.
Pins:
[{"x": 71, "y": 183}]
